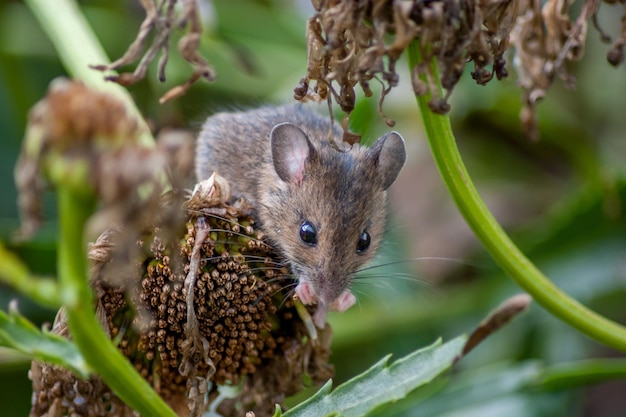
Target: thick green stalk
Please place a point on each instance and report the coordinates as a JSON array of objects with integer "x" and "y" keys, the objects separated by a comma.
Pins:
[
  {"x": 87, "y": 333},
  {"x": 495, "y": 240},
  {"x": 78, "y": 48}
]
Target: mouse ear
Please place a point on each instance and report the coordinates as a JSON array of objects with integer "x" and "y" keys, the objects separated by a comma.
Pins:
[
  {"x": 388, "y": 155},
  {"x": 290, "y": 150}
]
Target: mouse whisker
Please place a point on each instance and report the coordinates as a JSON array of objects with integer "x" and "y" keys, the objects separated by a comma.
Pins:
[
  {"x": 265, "y": 259},
  {"x": 285, "y": 277},
  {"x": 423, "y": 258},
  {"x": 251, "y": 261},
  {"x": 361, "y": 294},
  {"x": 405, "y": 276},
  {"x": 375, "y": 284},
  {"x": 288, "y": 294}
]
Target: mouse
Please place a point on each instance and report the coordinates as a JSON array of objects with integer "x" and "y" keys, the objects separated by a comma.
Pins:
[{"x": 324, "y": 208}]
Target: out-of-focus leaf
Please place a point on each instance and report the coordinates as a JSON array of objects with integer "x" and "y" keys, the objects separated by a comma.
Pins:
[
  {"x": 18, "y": 333},
  {"x": 382, "y": 383},
  {"x": 15, "y": 273},
  {"x": 489, "y": 389},
  {"x": 585, "y": 372},
  {"x": 18, "y": 25}
]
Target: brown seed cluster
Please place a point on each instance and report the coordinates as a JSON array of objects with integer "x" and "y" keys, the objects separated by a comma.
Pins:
[
  {"x": 245, "y": 328},
  {"x": 59, "y": 393},
  {"x": 232, "y": 304},
  {"x": 353, "y": 42}
]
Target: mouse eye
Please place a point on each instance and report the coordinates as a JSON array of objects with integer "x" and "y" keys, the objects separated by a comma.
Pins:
[
  {"x": 364, "y": 242},
  {"x": 308, "y": 234}
]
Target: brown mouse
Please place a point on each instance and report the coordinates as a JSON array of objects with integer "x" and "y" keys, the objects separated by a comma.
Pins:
[{"x": 324, "y": 209}]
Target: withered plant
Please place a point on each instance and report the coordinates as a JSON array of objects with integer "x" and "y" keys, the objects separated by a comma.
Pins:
[
  {"x": 355, "y": 43},
  {"x": 184, "y": 299}
]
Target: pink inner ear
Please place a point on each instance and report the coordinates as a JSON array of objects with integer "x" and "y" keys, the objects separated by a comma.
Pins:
[
  {"x": 295, "y": 159},
  {"x": 290, "y": 150}
]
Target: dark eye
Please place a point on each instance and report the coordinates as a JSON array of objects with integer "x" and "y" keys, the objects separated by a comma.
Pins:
[
  {"x": 364, "y": 242},
  {"x": 308, "y": 234}
]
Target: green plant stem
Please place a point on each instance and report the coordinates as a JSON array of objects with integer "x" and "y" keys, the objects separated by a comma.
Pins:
[
  {"x": 78, "y": 47},
  {"x": 495, "y": 240},
  {"x": 14, "y": 273},
  {"x": 74, "y": 210}
]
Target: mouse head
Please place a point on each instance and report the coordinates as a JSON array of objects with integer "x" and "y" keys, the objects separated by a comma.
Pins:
[{"x": 326, "y": 209}]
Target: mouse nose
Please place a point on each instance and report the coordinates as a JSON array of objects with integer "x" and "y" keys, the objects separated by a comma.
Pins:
[{"x": 328, "y": 294}]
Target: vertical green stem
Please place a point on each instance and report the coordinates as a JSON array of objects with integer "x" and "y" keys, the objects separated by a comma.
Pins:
[
  {"x": 78, "y": 47},
  {"x": 495, "y": 240},
  {"x": 87, "y": 333}
]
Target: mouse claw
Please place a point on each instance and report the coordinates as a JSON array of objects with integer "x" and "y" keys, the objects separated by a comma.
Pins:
[
  {"x": 343, "y": 302},
  {"x": 305, "y": 293}
]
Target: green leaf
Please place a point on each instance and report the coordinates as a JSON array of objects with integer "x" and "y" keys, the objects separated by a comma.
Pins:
[
  {"x": 15, "y": 273},
  {"x": 18, "y": 333},
  {"x": 478, "y": 389},
  {"x": 582, "y": 373},
  {"x": 382, "y": 383},
  {"x": 278, "y": 412}
]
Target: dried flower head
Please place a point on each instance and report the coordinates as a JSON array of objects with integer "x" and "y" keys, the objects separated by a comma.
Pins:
[
  {"x": 353, "y": 42},
  {"x": 84, "y": 139},
  {"x": 206, "y": 304}
]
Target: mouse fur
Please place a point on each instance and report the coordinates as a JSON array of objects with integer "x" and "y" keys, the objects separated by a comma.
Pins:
[{"x": 280, "y": 159}]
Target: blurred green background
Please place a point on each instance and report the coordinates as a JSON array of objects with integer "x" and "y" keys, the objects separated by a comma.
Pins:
[{"x": 562, "y": 199}]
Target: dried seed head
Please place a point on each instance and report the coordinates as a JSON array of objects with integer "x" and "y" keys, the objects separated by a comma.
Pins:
[
  {"x": 349, "y": 43},
  {"x": 246, "y": 324},
  {"x": 353, "y": 42},
  {"x": 84, "y": 139}
]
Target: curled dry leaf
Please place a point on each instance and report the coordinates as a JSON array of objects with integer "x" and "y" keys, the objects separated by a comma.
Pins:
[
  {"x": 497, "y": 319},
  {"x": 86, "y": 141},
  {"x": 214, "y": 191},
  {"x": 351, "y": 43},
  {"x": 545, "y": 40},
  {"x": 162, "y": 19}
]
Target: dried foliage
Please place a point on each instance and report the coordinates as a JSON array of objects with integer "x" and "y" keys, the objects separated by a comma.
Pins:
[
  {"x": 162, "y": 18},
  {"x": 353, "y": 42},
  {"x": 58, "y": 392},
  {"x": 88, "y": 140},
  {"x": 233, "y": 323},
  {"x": 546, "y": 39},
  {"x": 187, "y": 287}
]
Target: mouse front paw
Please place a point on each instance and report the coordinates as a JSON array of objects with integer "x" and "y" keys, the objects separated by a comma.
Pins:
[
  {"x": 343, "y": 302},
  {"x": 305, "y": 293}
]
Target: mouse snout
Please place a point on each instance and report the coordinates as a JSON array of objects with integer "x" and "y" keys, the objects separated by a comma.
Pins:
[
  {"x": 326, "y": 298},
  {"x": 328, "y": 292}
]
